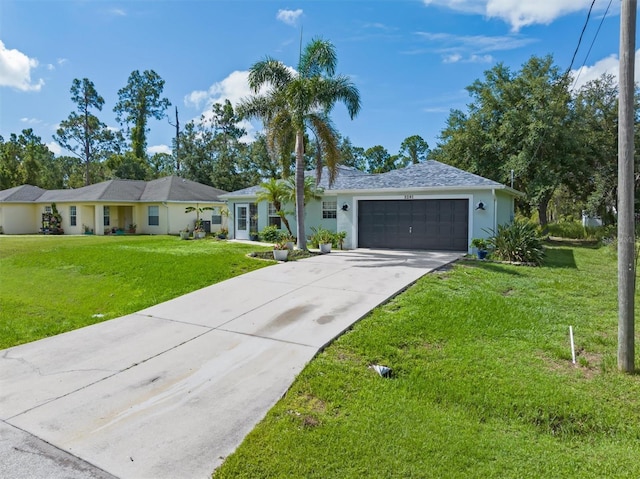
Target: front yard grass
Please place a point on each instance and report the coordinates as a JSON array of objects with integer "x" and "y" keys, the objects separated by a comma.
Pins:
[
  {"x": 482, "y": 385},
  {"x": 53, "y": 284}
]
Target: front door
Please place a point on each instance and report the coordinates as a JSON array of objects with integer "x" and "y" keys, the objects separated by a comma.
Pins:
[{"x": 242, "y": 221}]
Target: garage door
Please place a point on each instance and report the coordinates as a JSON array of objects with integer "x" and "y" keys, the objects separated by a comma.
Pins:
[{"x": 414, "y": 224}]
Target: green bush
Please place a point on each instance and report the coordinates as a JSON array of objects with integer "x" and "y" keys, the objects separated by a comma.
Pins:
[
  {"x": 518, "y": 242},
  {"x": 271, "y": 234},
  {"x": 567, "y": 229}
]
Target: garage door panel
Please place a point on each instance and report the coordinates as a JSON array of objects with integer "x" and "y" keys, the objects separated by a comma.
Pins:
[{"x": 413, "y": 224}]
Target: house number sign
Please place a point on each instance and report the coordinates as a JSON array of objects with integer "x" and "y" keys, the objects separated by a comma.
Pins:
[{"x": 408, "y": 197}]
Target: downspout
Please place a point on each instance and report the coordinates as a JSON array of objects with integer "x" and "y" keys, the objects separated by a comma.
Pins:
[
  {"x": 164, "y": 203},
  {"x": 495, "y": 210}
]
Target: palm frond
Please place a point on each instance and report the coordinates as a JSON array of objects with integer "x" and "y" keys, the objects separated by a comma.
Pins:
[
  {"x": 319, "y": 57},
  {"x": 269, "y": 72},
  {"x": 328, "y": 139}
]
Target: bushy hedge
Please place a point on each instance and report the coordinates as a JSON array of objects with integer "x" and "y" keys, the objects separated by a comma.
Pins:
[
  {"x": 271, "y": 234},
  {"x": 518, "y": 242}
]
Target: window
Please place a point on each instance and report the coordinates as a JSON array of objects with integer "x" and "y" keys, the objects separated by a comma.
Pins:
[
  {"x": 154, "y": 215},
  {"x": 274, "y": 218},
  {"x": 47, "y": 209},
  {"x": 106, "y": 217},
  {"x": 72, "y": 216},
  {"x": 329, "y": 209},
  {"x": 216, "y": 217},
  {"x": 253, "y": 217}
]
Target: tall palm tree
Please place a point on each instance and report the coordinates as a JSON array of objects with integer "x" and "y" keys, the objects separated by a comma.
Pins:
[{"x": 299, "y": 100}]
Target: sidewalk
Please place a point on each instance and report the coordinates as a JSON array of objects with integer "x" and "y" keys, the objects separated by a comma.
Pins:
[{"x": 172, "y": 390}]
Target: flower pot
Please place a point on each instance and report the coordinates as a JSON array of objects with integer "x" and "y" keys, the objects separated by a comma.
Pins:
[
  {"x": 482, "y": 254},
  {"x": 280, "y": 254},
  {"x": 325, "y": 248},
  {"x": 199, "y": 234},
  {"x": 184, "y": 235}
]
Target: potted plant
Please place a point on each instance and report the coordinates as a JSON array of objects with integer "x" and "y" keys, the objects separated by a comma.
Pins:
[
  {"x": 223, "y": 233},
  {"x": 324, "y": 239},
  {"x": 253, "y": 235},
  {"x": 280, "y": 251},
  {"x": 131, "y": 228},
  {"x": 184, "y": 234},
  {"x": 290, "y": 241},
  {"x": 198, "y": 231},
  {"x": 481, "y": 246}
]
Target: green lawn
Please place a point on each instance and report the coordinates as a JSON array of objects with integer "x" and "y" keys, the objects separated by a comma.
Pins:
[
  {"x": 53, "y": 284},
  {"x": 483, "y": 385}
]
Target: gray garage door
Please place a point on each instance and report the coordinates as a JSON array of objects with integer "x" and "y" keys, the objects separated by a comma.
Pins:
[{"x": 414, "y": 224}]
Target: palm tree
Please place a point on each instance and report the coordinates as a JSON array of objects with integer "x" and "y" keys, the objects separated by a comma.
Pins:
[
  {"x": 299, "y": 100},
  {"x": 311, "y": 191},
  {"x": 275, "y": 191}
]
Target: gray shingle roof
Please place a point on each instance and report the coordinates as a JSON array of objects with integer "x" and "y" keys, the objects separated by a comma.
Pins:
[
  {"x": 170, "y": 188},
  {"x": 430, "y": 174}
]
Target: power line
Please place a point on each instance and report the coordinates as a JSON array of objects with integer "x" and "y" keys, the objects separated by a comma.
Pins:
[
  {"x": 584, "y": 27},
  {"x": 591, "y": 46}
]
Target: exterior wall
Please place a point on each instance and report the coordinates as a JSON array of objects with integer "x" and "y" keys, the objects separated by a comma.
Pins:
[
  {"x": 505, "y": 208},
  {"x": 483, "y": 221},
  {"x": 20, "y": 219}
]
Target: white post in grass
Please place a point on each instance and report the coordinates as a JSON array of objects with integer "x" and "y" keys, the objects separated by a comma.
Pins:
[{"x": 573, "y": 348}]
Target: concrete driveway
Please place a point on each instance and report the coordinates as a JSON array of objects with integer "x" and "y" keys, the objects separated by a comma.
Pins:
[{"x": 170, "y": 391}]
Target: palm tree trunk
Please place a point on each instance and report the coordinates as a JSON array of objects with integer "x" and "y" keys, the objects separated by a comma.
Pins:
[{"x": 302, "y": 240}]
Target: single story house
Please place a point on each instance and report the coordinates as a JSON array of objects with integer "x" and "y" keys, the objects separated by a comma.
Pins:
[
  {"x": 429, "y": 205},
  {"x": 152, "y": 207}
]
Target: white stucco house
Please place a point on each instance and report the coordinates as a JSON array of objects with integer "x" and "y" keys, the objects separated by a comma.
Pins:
[
  {"x": 430, "y": 205},
  {"x": 155, "y": 207}
]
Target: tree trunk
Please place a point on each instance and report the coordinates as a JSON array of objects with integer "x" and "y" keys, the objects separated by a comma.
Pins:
[
  {"x": 302, "y": 239},
  {"x": 542, "y": 212}
]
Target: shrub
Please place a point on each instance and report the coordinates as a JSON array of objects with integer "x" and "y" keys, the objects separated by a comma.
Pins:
[
  {"x": 519, "y": 242},
  {"x": 567, "y": 229},
  {"x": 271, "y": 234},
  {"x": 321, "y": 235}
]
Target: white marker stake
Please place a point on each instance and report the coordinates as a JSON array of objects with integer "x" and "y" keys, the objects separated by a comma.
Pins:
[{"x": 573, "y": 349}]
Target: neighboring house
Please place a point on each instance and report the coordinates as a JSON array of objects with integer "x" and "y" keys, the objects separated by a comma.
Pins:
[
  {"x": 155, "y": 207},
  {"x": 425, "y": 206}
]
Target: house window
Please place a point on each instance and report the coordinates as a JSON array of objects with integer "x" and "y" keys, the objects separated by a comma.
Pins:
[
  {"x": 253, "y": 217},
  {"x": 154, "y": 216},
  {"x": 72, "y": 216},
  {"x": 274, "y": 218},
  {"x": 329, "y": 209},
  {"x": 106, "y": 218},
  {"x": 47, "y": 209},
  {"x": 216, "y": 217}
]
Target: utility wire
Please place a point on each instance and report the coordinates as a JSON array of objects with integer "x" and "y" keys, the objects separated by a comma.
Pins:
[
  {"x": 591, "y": 46},
  {"x": 584, "y": 27}
]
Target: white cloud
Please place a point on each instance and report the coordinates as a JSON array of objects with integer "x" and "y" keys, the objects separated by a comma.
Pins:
[
  {"x": 290, "y": 17},
  {"x": 159, "y": 149},
  {"x": 233, "y": 88},
  {"x": 517, "y": 13},
  {"x": 55, "y": 148},
  {"x": 30, "y": 121},
  {"x": 609, "y": 65},
  {"x": 453, "y": 58},
  {"x": 118, "y": 12},
  {"x": 15, "y": 70},
  {"x": 446, "y": 42}
]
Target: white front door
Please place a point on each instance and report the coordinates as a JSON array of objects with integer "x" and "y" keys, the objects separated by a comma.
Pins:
[{"x": 242, "y": 221}]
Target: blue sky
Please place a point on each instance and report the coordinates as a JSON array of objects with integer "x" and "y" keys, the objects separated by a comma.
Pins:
[{"x": 410, "y": 59}]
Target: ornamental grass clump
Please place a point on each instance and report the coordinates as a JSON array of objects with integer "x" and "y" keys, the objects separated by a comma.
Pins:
[{"x": 517, "y": 242}]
